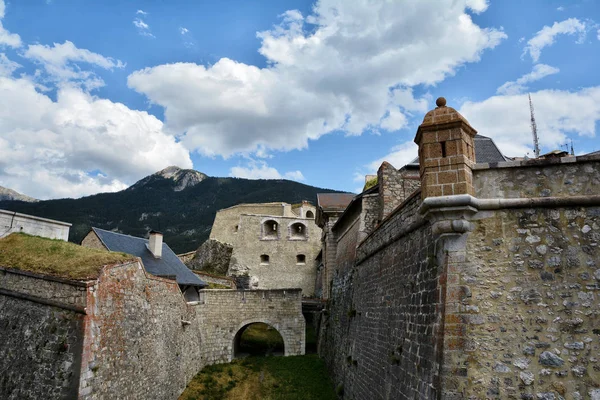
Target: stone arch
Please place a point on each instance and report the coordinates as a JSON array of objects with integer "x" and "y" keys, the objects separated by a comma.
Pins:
[
  {"x": 241, "y": 327},
  {"x": 310, "y": 214},
  {"x": 269, "y": 229},
  {"x": 297, "y": 231}
]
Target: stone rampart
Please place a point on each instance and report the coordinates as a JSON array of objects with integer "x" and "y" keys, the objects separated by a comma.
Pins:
[
  {"x": 144, "y": 340},
  {"x": 529, "y": 304},
  {"x": 567, "y": 176},
  {"x": 461, "y": 297},
  {"x": 41, "y": 325},
  {"x": 381, "y": 335},
  {"x": 127, "y": 334}
]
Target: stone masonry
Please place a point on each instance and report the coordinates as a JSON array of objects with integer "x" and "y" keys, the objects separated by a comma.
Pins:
[
  {"x": 454, "y": 296},
  {"x": 126, "y": 334},
  {"x": 267, "y": 259}
]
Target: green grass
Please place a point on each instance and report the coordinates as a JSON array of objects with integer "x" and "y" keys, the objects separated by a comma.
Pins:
[
  {"x": 263, "y": 378},
  {"x": 55, "y": 257}
]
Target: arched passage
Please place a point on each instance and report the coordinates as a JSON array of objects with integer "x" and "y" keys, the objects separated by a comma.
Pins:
[{"x": 258, "y": 337}]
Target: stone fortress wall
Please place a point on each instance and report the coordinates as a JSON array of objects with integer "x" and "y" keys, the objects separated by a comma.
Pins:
[
  {"x": 483, "y": 284},
  {"x": 275, "y": 244},
  {"x": 125, "y": 335}
]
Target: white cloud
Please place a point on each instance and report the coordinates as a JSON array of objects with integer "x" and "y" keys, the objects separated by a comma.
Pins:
[
  {"x": 48, "y": 148},
  {"x": 183, "y": 30},
  {"x": 336, "y": 69},
  {"x": 141, "y": 12},
  {"x": 558, "y": 113},
  {"x": 477, "y": 6},
  {"x": 260, "y": 170},
  {"x": 142, "y": 27},
  {"x": 61, "y": 62},
  {"x": 7, "y": 67},
  {"x": 7, "y": 38},
  {"x": 515, "y": 87},
  {"x": 295, "y": 176},
  {"x": 598, "y": 34},
  {"x": 546, "y": 36},
  {"x": 399, "y": 156},
  {"x": 560, "y": 8}
]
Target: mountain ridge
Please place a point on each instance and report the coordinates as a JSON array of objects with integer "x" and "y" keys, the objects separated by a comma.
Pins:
[
  {"x": 180, "y": 203},
  {"x": 7, "y": 194}
]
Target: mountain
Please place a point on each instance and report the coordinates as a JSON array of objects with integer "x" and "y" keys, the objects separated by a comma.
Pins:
[
  {"x": 9, "y": 194},
  {"x": 180, "y": 203},
  {"x": 183, "y": 178}
]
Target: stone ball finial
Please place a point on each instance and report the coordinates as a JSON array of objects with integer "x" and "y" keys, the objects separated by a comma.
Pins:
[{"x": 440, "y": 102}]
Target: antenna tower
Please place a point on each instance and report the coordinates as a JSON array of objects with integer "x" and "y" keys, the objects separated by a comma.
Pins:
[{"x": 536, "y": 144}]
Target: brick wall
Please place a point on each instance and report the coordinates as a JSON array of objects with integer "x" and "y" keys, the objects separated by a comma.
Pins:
[{"x": 379, "y": 338}]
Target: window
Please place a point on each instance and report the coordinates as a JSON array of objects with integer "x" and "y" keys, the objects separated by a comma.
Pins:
[
  {"x": 301, "y": 259},
  {"x": 310, "y": 214},
  {"x": 264, "y": 259},
  {"x": 269, "y": 229},
  {"x": 236, "y": 228},
  {"x": 298, "y": 231}
]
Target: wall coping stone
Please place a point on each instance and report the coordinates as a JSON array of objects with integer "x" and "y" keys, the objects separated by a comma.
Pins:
[
  {"x": 536, "y": 162},
  {"x": 27, "y": 216},
  {"x": 36, "y": 299},
  {"x": 86, "y": 283},
  {"x": 464, "y": 200}
]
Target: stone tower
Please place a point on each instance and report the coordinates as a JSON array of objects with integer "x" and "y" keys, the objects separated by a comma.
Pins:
[{"x": 446, "y": 152}]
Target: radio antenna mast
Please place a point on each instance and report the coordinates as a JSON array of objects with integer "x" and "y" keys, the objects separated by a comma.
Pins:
[{"x": 536, "y": 143}]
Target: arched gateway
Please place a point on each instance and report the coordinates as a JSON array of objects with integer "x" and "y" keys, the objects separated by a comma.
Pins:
[
  {"x": 227, "y": 313},
  {"x": 271, "y": 331}
]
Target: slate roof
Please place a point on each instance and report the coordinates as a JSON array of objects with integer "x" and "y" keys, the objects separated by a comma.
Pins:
[
  {"x": 486, "y": 150},
  {"x": 334, "y": 201},
  {"x": 168, "y": 265}
]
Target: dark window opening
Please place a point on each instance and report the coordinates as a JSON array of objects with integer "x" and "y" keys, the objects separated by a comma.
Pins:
[
  {"x": 310, "y": 214},
  {"x": 237, "y": 228},
  {"x": 443, "y": 149},
  {"x": 300, "y": 259},
  {"x": 270, "y": 229},
  {"x": 298, "y": 231},
  {"x": 264, "y": 259}
]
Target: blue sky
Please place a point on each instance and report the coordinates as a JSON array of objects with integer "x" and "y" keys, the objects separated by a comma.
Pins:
[{"x": 96, "y": 95}]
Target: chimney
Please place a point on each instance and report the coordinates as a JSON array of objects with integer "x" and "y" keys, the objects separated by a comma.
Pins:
[
  {"x": 155, "y": 244},
  {"x": 446, "y": 152}
]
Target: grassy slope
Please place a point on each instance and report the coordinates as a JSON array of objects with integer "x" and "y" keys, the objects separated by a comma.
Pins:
[
  {"x": 55, "y": 257},
  {"x": 263, "y": 378}
]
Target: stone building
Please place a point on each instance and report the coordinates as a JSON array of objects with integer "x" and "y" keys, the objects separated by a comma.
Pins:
[
  {"x": 157, "y": 256},
  {"x": 274, "y": 245},
  {"x": 483, "y": 283},
  {"x": 11, "y": 222}
]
